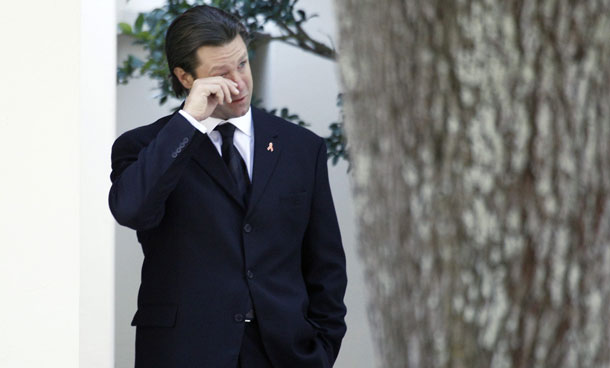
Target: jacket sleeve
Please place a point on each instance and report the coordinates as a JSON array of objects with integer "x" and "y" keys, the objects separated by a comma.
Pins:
[
  {"x": 145, "y": 171},
  {"x": 324, "y": 263}
]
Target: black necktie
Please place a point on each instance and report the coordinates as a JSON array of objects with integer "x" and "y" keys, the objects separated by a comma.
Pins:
[{"x": 234, "y": 161}]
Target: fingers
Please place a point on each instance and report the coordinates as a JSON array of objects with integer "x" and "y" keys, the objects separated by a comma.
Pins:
[
  {"x": 226, "y": 92},
  {"x": 228, "y": 87},
  {"x": 233, "y": 87},
  {"x": 219, "y": 93},
  {"x": 221, "y": 88},
  {"x": 206, "y": 93}
]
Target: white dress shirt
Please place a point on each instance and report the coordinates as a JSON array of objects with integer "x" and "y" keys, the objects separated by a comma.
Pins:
[{"x": 243, "y": 139}]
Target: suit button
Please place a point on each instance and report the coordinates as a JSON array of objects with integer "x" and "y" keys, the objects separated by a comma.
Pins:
[
  {"x": 238, "y": 317},
  {"x": 250, "y": 274},
  {"x": 247, "y": 228}
]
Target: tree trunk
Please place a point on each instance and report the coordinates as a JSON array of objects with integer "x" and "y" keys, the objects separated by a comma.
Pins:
[{"x": 479, "y": 134}]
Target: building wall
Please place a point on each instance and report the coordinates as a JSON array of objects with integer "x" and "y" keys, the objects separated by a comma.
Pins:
[
  {"x": 284, "y": 76},
  {"x": 97, "y": 120},
  {"x": 55, "y": 233}
]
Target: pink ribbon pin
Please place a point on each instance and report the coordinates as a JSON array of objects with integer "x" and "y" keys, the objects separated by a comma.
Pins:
[{"x": 270, "y": 147}]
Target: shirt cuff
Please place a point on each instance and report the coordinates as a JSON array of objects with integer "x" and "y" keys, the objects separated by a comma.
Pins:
[{"x": 194, "y": 122}]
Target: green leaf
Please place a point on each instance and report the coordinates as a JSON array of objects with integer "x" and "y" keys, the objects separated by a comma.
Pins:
[
  {"x": 139, "y": 23},
  {"x": 144, "y": 36},
  {"x": 125, "y": 28}
]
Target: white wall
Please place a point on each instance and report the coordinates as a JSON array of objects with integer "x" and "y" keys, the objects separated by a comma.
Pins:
[
  {"x": 97, "y": 121},
  {"x": 284, "y": 76},
  {"x": 39, "y": 149},
  {"x": 50, "y": 188}
]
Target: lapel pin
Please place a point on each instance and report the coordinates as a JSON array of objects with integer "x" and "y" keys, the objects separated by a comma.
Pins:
[{"x": 270, "y": 147}]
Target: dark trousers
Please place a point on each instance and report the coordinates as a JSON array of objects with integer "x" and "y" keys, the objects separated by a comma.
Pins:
[{"x": 252, "y": 353}]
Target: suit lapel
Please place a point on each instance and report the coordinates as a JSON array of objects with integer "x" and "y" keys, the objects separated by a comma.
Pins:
[
  {"x": 206, "y": 155},
  {"x": 265, "y": 156}
]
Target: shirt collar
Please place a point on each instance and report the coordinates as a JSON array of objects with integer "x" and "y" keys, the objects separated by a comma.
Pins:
[{"x": 243, "y": 123}]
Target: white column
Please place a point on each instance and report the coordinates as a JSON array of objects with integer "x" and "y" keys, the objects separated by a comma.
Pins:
[
  {"x": 39, "y": 183},
  {"x": 98, "y": 127},
  {"x": 57, "y": 122}
]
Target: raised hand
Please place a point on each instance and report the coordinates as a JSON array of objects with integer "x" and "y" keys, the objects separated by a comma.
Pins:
[{"x": 206, "y": 94}]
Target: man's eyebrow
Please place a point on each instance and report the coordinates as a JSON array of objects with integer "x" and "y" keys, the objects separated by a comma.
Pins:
[
  {"x": 216, "y": 67},
  {"x": 243, "y": 56}
]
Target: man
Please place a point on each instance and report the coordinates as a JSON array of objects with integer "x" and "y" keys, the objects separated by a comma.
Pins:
[{"x": 243, "y": 265}]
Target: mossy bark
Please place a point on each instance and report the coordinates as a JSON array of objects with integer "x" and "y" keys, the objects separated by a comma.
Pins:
[{"x": 480, "y": 143}]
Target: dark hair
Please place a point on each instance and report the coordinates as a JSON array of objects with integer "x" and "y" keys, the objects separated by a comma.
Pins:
[{"x": 199, "y": 26}]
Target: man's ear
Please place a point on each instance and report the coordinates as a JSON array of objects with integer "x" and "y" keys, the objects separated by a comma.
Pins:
[{"x": 186, "y": 79}]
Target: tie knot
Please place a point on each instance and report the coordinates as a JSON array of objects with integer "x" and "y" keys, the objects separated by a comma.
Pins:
[{"x": 226, "y": 130}]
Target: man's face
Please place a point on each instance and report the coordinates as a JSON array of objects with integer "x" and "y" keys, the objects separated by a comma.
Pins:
[{"x": 229, "y": 61}]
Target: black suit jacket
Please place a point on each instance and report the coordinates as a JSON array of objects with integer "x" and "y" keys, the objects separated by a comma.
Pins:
[{"x": 205, "y": 253}]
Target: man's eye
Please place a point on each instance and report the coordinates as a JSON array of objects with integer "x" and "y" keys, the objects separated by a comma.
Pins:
[{"x": 242, "y": 64}]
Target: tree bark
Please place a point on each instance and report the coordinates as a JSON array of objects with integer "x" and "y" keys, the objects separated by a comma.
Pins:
[{"x": 479, "y": 135}]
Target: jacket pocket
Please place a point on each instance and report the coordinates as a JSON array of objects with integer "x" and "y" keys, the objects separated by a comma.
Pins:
[{"x": 155, "y": 315}]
